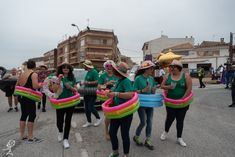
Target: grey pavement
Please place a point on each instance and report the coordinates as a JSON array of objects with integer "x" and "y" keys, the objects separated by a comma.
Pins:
[{"x": 209, "y": 131}]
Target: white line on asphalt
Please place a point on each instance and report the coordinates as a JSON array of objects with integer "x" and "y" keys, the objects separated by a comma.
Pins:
[
  {"x": 84, "y": 153},
  {"x": 78, "y": 137}
]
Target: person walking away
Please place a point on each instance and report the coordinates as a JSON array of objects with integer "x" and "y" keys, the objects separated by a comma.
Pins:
[
  {"x": 201, "y": 74},
  {"x": 145, "y": 84},
  {"x": 178, "y": 86}
]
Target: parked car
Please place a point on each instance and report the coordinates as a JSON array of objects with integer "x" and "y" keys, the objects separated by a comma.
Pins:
[
  {"x": 193, "y": 73},
  {"x": 79, "y": 75}
]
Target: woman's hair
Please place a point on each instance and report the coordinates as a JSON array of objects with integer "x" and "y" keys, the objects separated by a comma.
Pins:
[
  {"x": 31, "y": 64},
  {"x": 139, "y": 72},
  {"x": 70, "y": 74}
]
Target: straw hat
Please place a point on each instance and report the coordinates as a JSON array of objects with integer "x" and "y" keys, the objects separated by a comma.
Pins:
[
  {"x": 88, "y": 64},
  {"x": 177, "y": 63},
  {"x": 121, "y": 68},
  {"x": 146, "y": 64}
]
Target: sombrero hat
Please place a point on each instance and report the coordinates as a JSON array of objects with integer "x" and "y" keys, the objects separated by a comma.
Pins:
[
  {"x": 121, "y": 68},
  {"x": 88, "y": 64}
]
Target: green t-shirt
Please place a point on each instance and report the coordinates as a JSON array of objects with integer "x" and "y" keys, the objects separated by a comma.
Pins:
[
  {"x": 91, "y": 75},
  {"x": 141, "y": 83},
  {"x": 123, "y": 85},
  {"x": 104, "y": 78},
  {"x": 180, "y": 88},
  {"x": 66, "y": 93}
]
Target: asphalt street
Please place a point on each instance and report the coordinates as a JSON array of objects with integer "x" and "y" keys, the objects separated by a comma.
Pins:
[{"x": 209, "y": 131}]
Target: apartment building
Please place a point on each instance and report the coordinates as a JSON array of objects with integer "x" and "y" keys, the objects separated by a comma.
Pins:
[
  {"x": 97, "y": 45},
  {"x": 50, "y": 59}
]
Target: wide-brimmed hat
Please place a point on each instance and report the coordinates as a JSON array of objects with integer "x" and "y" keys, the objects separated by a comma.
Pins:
[
  {"x": 121, "y": 68},
  {"x": 43, "y": 66},
  {"x": 88, "y": 64},
  {"x": 146, "y": 64},
  {"x": 177, "y": 63}
]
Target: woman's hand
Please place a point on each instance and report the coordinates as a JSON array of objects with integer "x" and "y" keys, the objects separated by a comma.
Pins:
[
  {"x": 111, "y": 94},
  {"x": 146, "y": 89}
]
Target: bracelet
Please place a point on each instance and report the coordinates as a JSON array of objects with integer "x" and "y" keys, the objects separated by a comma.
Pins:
[{"x": 116, "y": 94}]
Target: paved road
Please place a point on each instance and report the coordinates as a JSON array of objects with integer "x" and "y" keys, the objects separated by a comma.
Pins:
[{"x": 209, "y": 131}]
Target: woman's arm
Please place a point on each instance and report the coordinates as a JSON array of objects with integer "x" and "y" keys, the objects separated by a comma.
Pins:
[
  {"x": 123, "y": 95},
  {"x": 35, "y": 83},
  {"x": 188, "y": 85},
  {"x": 163, "y": 84}
]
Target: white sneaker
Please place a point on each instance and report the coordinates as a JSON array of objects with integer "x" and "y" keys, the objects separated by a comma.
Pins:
[
  {"x": 87, "y": 124},
  {"x": 181, "y": 142},
  {"x": 98, "y": 122},
  {"x": 163, "y": 136},
  {"x": 66, "y": 144},
  {"x": 60, "y": 136}
]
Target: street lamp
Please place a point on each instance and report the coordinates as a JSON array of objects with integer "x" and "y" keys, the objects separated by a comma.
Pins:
[{"x": 74, "y": 25}]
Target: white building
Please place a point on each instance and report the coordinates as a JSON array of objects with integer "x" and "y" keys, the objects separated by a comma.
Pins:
[{"x": 154, "y": 47}]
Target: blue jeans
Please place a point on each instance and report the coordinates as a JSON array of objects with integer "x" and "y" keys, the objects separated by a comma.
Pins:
[{"x": 145, "y": 112}]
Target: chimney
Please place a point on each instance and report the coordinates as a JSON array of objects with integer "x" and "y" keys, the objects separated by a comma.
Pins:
[{"x": 222, "y": 40}]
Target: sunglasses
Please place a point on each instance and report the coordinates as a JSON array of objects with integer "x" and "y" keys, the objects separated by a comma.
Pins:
[{"x": 108, "y": 67}]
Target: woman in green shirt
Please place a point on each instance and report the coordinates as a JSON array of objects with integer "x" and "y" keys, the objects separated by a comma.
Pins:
[
  {"x": 107, "y": 81},
  {"x": 65, "y": 71},
  {"x": 91, "y": 81},
  {"x": 178, "y": 85},
  {"x": 122, "y": 92},
  {"x": 145, "y": 84}
]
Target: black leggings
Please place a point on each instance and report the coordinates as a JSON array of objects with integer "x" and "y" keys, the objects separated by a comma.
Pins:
[
  {"x": 44, "y": 100},
  {"x": 177, "y": 114},
  {"x": 125, "y": 124},
  {"x": 90, "y": 107},
  {"x": 28, "y": 109},
  {"x": 60, "y": 120}
]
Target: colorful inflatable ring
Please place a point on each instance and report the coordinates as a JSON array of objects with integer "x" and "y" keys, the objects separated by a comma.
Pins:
[
  {"x": 28, "y": 93},
  {"x": 122, "y": 110},
  {"x": 51, "y": 87},
  {"x": 179, "y": 103},
  {"x": 66, "y": 102},
  {"x": 102, "y": 95},
  {"x": 150, "y": 100}
]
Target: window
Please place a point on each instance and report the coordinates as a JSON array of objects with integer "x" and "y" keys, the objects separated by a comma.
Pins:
[{"x": 82, "y": 42}]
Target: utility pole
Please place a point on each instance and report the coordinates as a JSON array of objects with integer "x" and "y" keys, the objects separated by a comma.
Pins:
[{"x": 231, "y": 48}]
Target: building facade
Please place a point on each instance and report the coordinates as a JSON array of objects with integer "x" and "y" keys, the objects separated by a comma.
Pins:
[
  {"x": 50, "y": 59},
  {"x": 152, "y": 48},
  {"x": 209, "y": 54},
  {"x": 97, "y": 45}
]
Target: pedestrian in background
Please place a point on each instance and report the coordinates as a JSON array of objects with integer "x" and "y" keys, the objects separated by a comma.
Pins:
[
  {"x": 42, "y": 75},
  {"x": 201, "y": 74},
  {"x": 145, "y": 84},
  {"x": 178, "y": 86},
  {"x": 64, "y": 115},
  {"x": 11, "y": 88}
]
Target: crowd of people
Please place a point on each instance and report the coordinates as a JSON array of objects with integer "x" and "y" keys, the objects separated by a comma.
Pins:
[{"x": 176, "y": 83}]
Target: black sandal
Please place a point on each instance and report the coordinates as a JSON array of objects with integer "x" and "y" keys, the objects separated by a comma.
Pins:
[{"x": 24, "y": 138}]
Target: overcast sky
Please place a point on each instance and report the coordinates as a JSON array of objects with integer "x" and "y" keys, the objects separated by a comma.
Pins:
[{"x": 30, "y": 28}]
